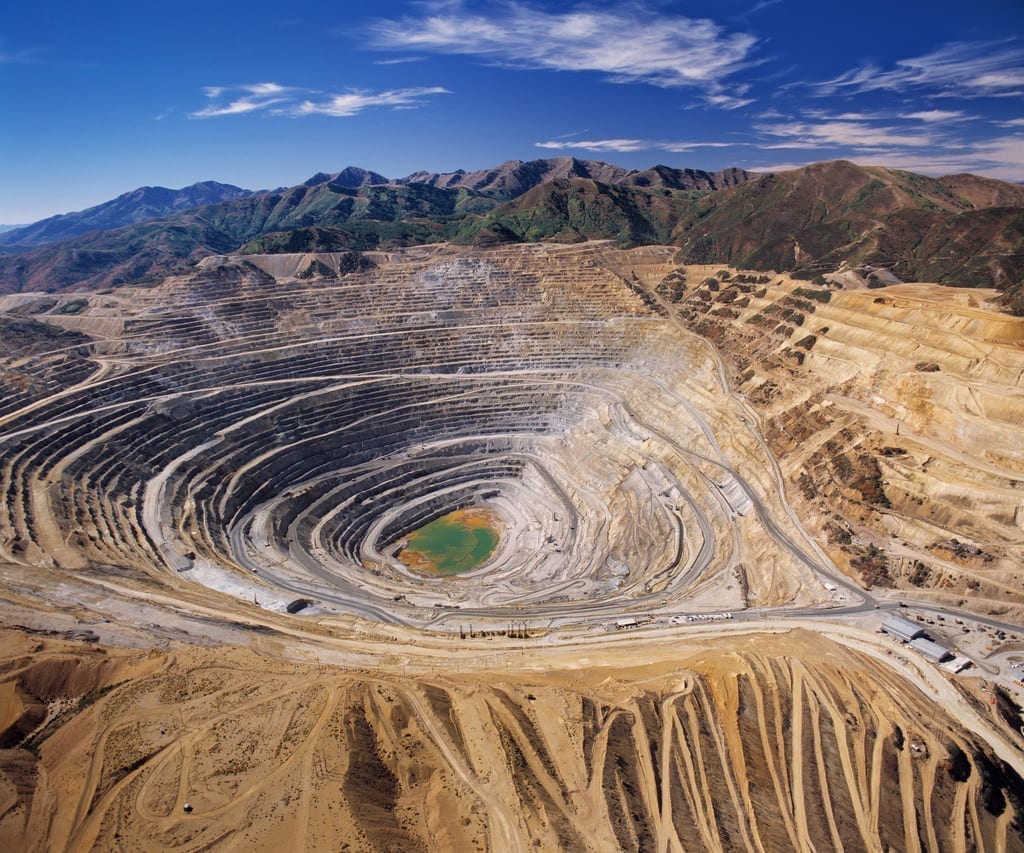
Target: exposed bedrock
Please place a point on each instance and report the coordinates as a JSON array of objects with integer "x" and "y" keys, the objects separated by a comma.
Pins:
[{"x": 281, "y": 435}]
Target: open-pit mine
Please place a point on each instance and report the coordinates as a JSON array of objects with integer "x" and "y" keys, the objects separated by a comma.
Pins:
[{"x": 679, "y": 502}]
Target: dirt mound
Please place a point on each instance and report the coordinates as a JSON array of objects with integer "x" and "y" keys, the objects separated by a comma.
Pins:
[{"x": 73, "y": 676}]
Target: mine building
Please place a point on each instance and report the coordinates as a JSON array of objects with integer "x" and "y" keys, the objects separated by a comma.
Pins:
[
  {"x": 902, "y": 628},
  {"x": 957, "y": 664},
  {"x": 930, "y": 649}
]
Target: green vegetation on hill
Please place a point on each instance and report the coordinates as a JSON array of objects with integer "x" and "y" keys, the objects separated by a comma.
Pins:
[
  {"x": 127, "y": 209},
  {"x": 580, "y": 209},
  {"x": 366, "y": 217}
]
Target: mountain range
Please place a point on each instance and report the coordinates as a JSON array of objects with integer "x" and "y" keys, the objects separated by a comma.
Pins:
[
  {"x": 131, "y": 207},
  {"x": 960, "y": 229},
  {"x": 515, "y": 177}
]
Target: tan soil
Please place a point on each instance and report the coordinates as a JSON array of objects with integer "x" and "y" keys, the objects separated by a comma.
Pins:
[{"x": 759, "y": 741}]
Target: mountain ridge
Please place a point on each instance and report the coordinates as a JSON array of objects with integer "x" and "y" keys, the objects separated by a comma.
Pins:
[
  {"x": 514, "y": 177},
  {"x": 128, "y": 208},
  {"x": 503, "y": 182},
  {"x": 821, "y": 218}
]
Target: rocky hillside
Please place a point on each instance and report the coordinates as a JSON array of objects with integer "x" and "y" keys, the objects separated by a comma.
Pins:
[
  {"x": 961, "y": 229},
  {"x": 578, "y": 209},
  {"x": 350, "y": 176},
  {"x": 862, "y": 393}
]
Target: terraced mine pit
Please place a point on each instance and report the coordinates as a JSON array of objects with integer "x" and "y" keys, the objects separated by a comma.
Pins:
[
  {"x": 633, "y": 644},
  {"x": 897, "y": 415},
  {"x": 272, "y": 438}
]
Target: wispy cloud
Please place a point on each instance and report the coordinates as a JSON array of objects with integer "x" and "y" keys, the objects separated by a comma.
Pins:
[
  {"x": 960, "y": 69},
  {"x": 275, "y": 99},
  {"x": 763, "y": 4},
  {"x": 626, "y": 145},
  {"x": 832, "y": 116},
  {"x": 399, "y": 60},
  {"x": 618, "y": 145},
  {"x": 10, "y": 57},
  {"x": 938, "y": 116},
  {"x": 846, "y": 134},
  {"x": 631, "y": 44},
  {"x": 247, "y": 99},
  {"x": 753, "y": 10},
  {"x": 727, "y": 102},
  {"x": 355, "y": 102},
  {"x": 1002, "y": 157},
  {"x": 931, "y": 141}
]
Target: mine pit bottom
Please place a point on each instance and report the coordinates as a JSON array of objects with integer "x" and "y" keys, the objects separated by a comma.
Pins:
[{"x": 454, "y": 543}]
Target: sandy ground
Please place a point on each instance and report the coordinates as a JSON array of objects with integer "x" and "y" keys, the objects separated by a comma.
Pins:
[{"x": 767, "y": 741}]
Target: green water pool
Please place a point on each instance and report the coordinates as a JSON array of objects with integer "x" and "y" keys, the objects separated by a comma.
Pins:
[{"x": 452, "y": 544}]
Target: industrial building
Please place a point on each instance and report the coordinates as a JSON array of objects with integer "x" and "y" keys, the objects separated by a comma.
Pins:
[
  {"x": 902, "y": 628},
  {"x": 957, "y": 664},
  {"x": 930, "y": 649}
]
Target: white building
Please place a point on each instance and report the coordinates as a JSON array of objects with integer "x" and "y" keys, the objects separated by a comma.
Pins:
[
  {"x": 902, "y": 628},
  {"x": 930, "y": 649}
]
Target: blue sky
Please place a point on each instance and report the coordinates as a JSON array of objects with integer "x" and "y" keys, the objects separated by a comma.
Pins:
[{"x": 98, "y": 98}]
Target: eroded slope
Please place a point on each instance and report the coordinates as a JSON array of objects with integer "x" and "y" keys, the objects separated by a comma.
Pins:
[{"x": 747, "y": 744}]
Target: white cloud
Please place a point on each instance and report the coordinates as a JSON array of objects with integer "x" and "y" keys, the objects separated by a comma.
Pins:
[
  {"x": 682, "y": 147},
  {"x": 619, "y": 145},
  {"x": 1013, "y": 122},
  {"x": 763, "y": 4},
  {"x": 626, "y": 145},
  {"x": 960, "y": 69},
  {"x": 250, "y": 98},
  {"x": 350, "y": 103},
  {"x": 778, "y": 167},
  {"x": 630, "y": 44},
  {"x": 1001, "y": 158},
  {"x": 828, "y": 115},
  {"x": 399, "y": 60},
  {"x": 267, "y": 89},
  {"x": 728, "y": 102},
  {"x": 852, "y": 134},
  {"x": 17, "y": 56},
  {"x": 275, "y": 99},
  {"x": 937, "y": 115}
]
